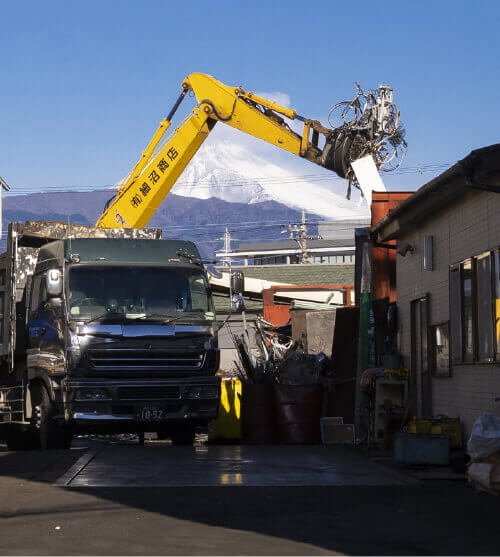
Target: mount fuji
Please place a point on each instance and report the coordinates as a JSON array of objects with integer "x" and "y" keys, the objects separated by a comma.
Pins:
[{"x": 235, "y": 173}]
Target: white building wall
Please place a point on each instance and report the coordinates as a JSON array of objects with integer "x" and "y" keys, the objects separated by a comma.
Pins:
[{"x": 466, "y": 228}]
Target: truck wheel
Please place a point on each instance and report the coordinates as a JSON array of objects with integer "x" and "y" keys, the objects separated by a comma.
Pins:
[
  {"x": 52, "y": 433},
  {"x": 184, "y": 435}
]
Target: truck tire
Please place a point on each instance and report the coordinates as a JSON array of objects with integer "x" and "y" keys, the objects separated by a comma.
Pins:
[
  {"x": 184, "y": 435},
  {"x": 52, "y": 433}
]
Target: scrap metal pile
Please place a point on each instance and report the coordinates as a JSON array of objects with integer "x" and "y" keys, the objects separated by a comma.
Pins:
[
  {"x": 278, "y": 358},
  {"x": 369, "y": 124}
]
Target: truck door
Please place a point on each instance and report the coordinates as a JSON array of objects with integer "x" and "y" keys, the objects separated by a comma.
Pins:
[{"x": 43, "y": 318}]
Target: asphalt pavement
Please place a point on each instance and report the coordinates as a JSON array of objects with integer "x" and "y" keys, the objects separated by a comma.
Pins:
[{"x": 120, "y": 498}]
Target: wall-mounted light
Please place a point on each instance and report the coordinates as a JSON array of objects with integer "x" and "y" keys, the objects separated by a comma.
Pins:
[{"x": 403, "y": 249}]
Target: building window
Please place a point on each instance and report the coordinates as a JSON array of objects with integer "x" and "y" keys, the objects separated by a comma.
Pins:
[
  {"x": 440, "y": 350},
  {"x": 467, "y": 318},
  {"x": 475, "y": 309},
  {"x": 270, "y": 260},
  {"x": 496, "y": 302},
  {"x": 484, "y": 308}
]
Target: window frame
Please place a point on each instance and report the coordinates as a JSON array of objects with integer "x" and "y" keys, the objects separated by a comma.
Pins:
[
  {"x": 473, "y": 312},
  {"x": 491, "y": 357},
  {"x": 433, "y": 351},
  {"x": 494, "y": 356},
  {"x": 35, "y": 296},
  {"x": 495, "y": 270}
]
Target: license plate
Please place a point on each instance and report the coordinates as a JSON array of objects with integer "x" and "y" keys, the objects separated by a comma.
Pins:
[{"x": 152, "y": 414}]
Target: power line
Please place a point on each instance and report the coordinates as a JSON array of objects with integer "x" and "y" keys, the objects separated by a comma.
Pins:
[
  {"x": 216, "y": 227},
  {"x": 223, "y": 183}
]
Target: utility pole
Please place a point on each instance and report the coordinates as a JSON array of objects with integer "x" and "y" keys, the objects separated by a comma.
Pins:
[
  {"x": 299, "y": 234},
  {"x": 226, "y": 260},
  {"x": 3, "y": 186}
]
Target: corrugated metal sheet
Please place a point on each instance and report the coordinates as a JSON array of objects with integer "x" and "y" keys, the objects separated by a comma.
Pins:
[
  {"x": 292, "y": 244},
  {"x": 302, "y": 274}
]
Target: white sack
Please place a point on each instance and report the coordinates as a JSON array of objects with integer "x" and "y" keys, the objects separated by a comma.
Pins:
[
  {"x": 484, "y": 439},
  {"x": 485, "y": 476}
]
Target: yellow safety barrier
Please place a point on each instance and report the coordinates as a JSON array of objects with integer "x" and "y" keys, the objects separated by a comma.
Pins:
[{"x": 227, "y": 425}]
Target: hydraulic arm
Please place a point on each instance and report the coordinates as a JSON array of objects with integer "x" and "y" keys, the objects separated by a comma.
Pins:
[{"x": 144, "y": 188}]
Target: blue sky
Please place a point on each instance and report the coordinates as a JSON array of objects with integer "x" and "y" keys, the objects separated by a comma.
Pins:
[{"x": 84, "y": 84}]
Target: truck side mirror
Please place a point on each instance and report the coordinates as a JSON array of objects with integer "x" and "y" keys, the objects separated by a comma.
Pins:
[
  {"x": 237, "y": 289},
  {"x": 54, "y": 283}
]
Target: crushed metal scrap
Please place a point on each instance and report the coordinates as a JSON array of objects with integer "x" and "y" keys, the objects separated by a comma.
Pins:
[
  {"x": 279, "y": 359},
  {"x": 369, "y": 124},
  {"x": 61, "y": 230}
]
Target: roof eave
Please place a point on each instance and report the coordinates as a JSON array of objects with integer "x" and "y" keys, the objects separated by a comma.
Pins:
[{"x": 479, "y": 167}]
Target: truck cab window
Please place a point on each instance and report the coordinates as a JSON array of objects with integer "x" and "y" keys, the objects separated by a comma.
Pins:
[
  {"x": 35, "y": 296},
  {"x": 138, "y": 292},
  {"x": 199, "y": 298}
]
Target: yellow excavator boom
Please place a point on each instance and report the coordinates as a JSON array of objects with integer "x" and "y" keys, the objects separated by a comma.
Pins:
[{"x": 145, "y": 187}]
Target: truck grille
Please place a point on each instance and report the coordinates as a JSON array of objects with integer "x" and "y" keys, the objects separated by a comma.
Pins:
[
  {"x": 132, "y": 359},
  {"x": 148, "y": 393}
]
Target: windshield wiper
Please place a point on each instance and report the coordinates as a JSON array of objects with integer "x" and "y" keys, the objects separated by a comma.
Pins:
[
  {"x": 166, "y": 319},
  {"x": 108, "y": 313}
]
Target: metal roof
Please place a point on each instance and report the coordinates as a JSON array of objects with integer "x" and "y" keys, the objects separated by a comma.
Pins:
[
  {"x": 292, "y": 244},
  {"x": 302, "y": 273},
  {"x": 299, "y": 274}
]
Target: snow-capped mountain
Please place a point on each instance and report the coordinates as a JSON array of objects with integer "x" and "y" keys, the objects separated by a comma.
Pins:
[
  {"x": 209, "y": 175},
  {"x": 233, "y": 172}
]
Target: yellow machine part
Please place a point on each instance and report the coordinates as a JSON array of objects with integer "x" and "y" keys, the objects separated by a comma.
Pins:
[
  {"x": 161, "y": 164},
  {"x": 440, "y": 426},
  {"x": 227, "y": 425}
]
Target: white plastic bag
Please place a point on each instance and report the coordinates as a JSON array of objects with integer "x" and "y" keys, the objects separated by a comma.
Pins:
[
  {"x": 484, "y": 439},
  {"x": 485, "y": 476}
]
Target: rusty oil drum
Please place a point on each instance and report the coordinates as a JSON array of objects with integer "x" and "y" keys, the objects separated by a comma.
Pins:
[
  {"x": 257, "y": 414},
  {"x": 298, "y": 413}
]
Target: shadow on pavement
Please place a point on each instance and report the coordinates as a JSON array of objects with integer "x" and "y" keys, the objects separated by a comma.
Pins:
[
  {"x": 429, "y": 518},
  {"x": 349, "y": 519}
]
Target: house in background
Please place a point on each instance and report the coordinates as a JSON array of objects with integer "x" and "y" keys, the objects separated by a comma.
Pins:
[
  {"x": 448, "y": 288},
  {"x": 288, "y": 252},
  {"x": 335, "y": 246}
]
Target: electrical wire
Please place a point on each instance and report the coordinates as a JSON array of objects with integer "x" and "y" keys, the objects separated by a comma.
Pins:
[{"x": 224, "y": 183}]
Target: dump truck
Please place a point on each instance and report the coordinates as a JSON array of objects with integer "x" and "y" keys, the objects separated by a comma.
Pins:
[{"x": 103, "y": 331}]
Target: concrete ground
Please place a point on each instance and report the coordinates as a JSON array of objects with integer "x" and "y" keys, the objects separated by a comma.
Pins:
[{"x": 110, "y": 499}]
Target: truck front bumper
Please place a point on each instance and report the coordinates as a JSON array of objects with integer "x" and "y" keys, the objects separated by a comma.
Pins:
[{"x": 139, "y": 401}]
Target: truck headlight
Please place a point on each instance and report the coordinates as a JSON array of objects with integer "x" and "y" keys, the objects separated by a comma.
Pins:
[
  {"x": 208, "y": 344},
  {"x": 92, "y": 394}
]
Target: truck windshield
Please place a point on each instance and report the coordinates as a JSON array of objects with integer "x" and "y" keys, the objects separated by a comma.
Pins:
[{"x": 138, "y": 292}]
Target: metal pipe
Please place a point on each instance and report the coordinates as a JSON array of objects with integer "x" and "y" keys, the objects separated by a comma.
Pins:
[{"x": 176, "y": 105}]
